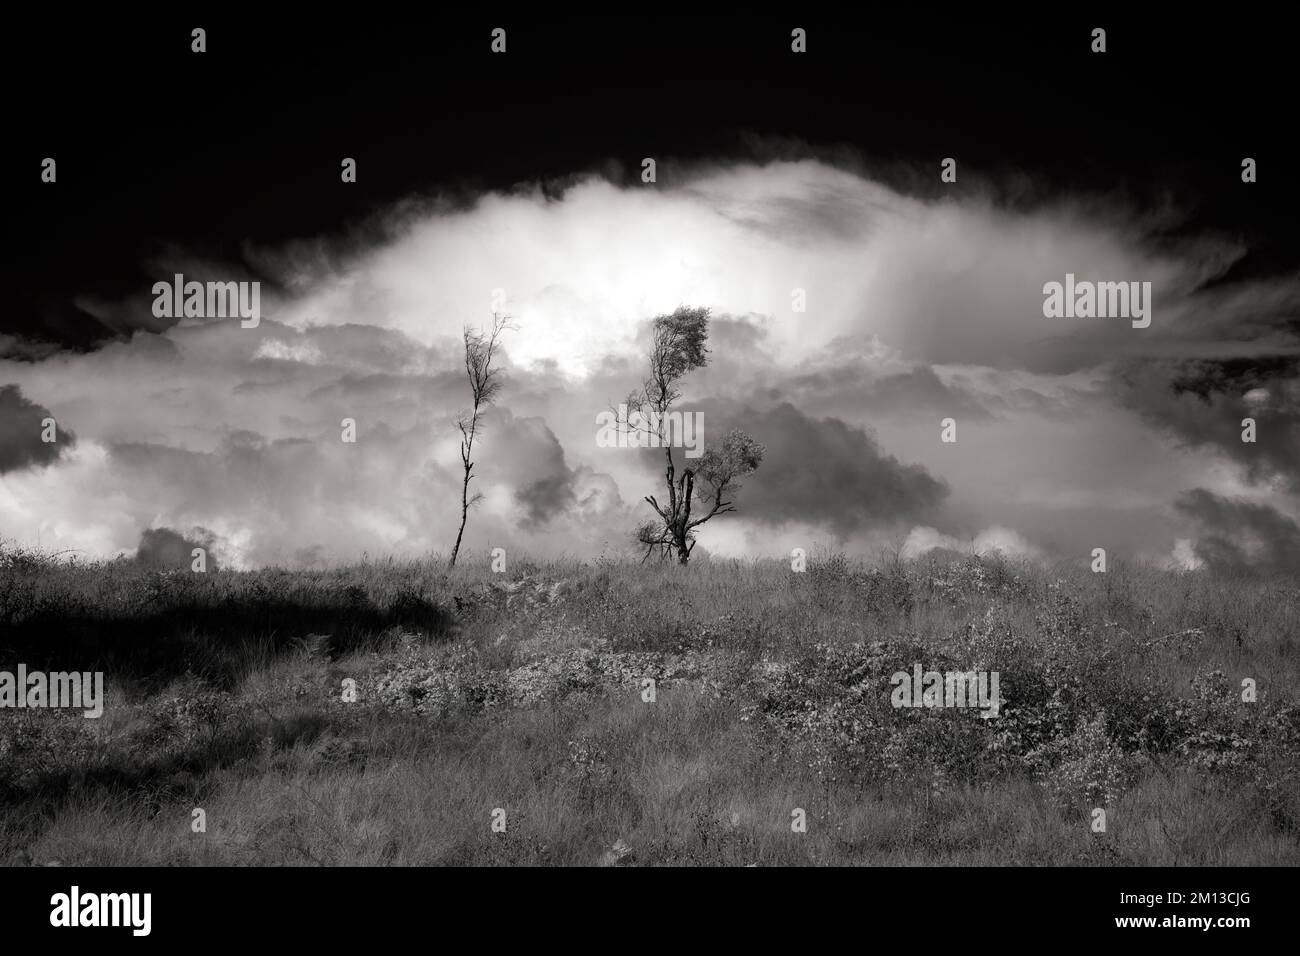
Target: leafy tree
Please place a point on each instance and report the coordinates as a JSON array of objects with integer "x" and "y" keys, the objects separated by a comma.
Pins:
[{"x": 678, "y": 345}]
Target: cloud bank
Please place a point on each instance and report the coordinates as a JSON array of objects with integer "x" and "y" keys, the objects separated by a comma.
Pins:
[{"x": 850, "y": 320}]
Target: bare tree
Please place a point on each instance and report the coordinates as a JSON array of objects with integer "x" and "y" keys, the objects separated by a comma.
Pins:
[
  {"x": 678, "y": 346},
  {"x": 484, "y": 383}
]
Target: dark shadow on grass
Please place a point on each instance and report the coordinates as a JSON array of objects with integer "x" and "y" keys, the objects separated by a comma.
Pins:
[
  {"x": 179, "y": 637},
  {"x": 152, "y": 775}
]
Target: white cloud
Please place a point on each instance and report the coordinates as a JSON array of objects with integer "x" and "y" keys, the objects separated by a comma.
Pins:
[
  {"x": 994, "y": 539},
  {"x": 237, "y": 430}
]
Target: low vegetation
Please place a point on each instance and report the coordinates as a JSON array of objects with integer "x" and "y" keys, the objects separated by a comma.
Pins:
[{"x": 527, "y": 692}]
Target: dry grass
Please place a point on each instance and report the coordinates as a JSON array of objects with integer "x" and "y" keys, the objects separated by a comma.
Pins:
[{"x": 523, "y": 692}]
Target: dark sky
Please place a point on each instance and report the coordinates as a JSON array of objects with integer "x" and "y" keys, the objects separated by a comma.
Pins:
[{"x": 160, "y": 148}]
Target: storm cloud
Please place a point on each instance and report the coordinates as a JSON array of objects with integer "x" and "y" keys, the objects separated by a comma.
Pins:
[
  {"x": 1239, "y": 536},
  {"x": 825, "y": 473},
  {"x": 849, "y": 320},
  {"x": 167, "y": 549},
  {"x": 23, "y": 425},
  {"x": 1205, "y": 402}
]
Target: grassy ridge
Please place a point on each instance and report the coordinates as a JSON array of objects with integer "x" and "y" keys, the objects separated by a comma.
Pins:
[{"x": 524, "y": 691}]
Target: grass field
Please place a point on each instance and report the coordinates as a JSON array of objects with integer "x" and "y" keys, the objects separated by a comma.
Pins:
[{"x": 521, "y": 698}]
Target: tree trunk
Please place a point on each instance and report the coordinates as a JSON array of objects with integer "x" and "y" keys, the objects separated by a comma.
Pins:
[
  {"x": 464, "y": 514},
  {"x": 466, "y": 449}
]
